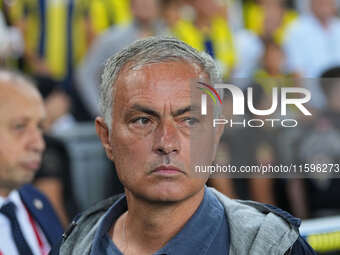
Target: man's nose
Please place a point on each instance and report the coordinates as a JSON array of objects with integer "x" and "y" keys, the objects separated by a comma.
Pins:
[
  {"x": 36, "y": 141},
  {"x": 166, "y": 139}
]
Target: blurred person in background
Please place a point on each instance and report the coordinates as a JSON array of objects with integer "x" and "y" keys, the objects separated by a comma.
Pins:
[
  {"x": 273, "y": 60},
  {"x": 11, "y": 42},
  {"x": 28, "y": 223},
  {"x": 171, "y": 12},
  {"x": 264, "y": 20},
  {"x": 58, "y": 33},
  {"x": 318, "y": 143},
  {"x": 249, "y": 51},
  {"x": 55, "y": 39},
  {"x": 330, "y": 84},
  {"x": 316, "y": 195},
  {"x": 261, "y": 149},
  {"x": 103, "y": 14},
  {"x": 272, "y": 73},
  {"x": 205, "y": 25},
  {"x": 268, "y": 18},
  {"x": 312, "y": 45},
  {"x": 303, "y": 6},
  {"x": 59, "y": 117},
  {"x": 207, "y": 29},
  {"x": 54, "y": 176},
  {"x": 47, "y": 27},
  {"x": 222, "y": 183},
  {"x": 145, "y": 23}
]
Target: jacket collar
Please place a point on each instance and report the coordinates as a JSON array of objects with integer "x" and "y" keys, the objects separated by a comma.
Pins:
[{"x": 256, "y": 228}]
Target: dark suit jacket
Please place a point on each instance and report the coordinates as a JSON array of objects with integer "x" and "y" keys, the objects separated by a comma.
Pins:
[{"x": 42, "y": 212}]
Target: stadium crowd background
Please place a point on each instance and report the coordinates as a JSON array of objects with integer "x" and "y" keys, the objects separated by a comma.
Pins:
[{"x": 63, "y": 44}]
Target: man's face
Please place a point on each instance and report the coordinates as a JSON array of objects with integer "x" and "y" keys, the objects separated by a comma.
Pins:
[
  {"x": 206, "y": 8},
  {"x": 153, "y": 127},
  {"x": 323, "y": 9},
  {"x": 21, "y": 146},
  {"x": 145, "y": 11}
]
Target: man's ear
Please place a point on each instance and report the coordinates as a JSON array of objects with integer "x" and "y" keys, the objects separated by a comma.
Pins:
[{"x": 104, "y": 135}]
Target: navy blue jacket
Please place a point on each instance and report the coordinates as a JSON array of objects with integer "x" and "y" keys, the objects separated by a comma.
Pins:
[
  {"x": 300, "y": 247},
  {"x": 42, "y": 212}
]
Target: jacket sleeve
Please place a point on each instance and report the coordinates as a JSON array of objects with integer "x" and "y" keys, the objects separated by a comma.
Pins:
[{"x": 301, "y": 247}]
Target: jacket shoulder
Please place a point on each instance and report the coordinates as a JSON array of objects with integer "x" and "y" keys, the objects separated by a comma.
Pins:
[
  {"x": 97, "y": 210},
  {"x": 42, "y": 212},
  {"x": 81, "y": 231},
  {"x": 301, "y": 247},
  {"x": 261, "y": 226}
]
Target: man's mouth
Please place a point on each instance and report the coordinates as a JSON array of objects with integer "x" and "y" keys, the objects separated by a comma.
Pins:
[
  {"x": 167, "y": 170},
  {"x": 31, "y": 165}
]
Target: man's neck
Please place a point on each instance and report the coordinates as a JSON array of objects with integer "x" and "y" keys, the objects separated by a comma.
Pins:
[
  {"x": 4, "y": 192},
  {"x": 324, "y": 21},
  {"x": 147, "y": 227}
]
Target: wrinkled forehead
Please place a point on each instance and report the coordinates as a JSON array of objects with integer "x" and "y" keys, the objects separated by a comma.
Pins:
[
  {"x": 160, "y": 86},
  {"x": 155, "y": 74}
]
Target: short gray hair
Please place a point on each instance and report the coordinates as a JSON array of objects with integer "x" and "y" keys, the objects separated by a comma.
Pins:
[
  {"x": 15, "y": 77},
  {"x": 147, "y": 51}
]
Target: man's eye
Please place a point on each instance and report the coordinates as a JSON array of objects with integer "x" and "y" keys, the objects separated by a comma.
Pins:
[
  {"x": 142, "y": 121},
  {"x": 41, "y": 127},
  {"x": 191, "y": 121},
  {"x": 19, "y": 126}
]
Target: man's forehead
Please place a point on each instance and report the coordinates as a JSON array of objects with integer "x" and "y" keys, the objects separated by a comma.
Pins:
[
  {"x": 174, "y": 109},
  {"x": 159, "y": 78},
  {"x": 11, "y": 89},
  {"x": 19, "y": 98},
  {"x": 155, "y": 71}
]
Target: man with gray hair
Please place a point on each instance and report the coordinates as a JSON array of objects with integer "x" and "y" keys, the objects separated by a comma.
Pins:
[
  {"x": 153, "y": 130},
  {"x": 28, "y": 223}
]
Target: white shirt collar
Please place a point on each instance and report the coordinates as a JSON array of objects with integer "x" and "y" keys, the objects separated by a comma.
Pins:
[{"x": 12, "y": 197}]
